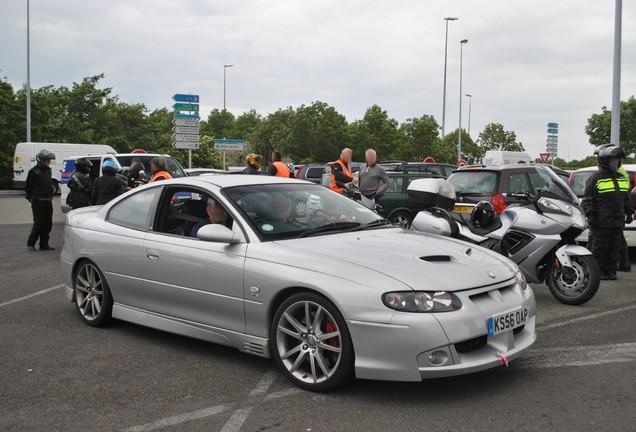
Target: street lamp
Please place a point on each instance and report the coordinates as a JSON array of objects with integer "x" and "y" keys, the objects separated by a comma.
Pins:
[
  {"x": 447, "y": 19},
  {"x": 470, "y": 105},
  {"x": 461, "y": 55},
  {"x": 224, "y": 69},
  {"x": 615, "y": 130},
  {"x": 28, "y": 83}
]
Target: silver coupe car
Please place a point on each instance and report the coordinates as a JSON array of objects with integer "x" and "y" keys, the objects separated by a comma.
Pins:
[{"x": 331, "y": 293}]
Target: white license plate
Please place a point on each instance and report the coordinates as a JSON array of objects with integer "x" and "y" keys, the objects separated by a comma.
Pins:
[{"x": 507, "y": 321}]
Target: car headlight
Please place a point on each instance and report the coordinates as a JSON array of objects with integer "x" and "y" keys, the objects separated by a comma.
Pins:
[
  {"x": 521, "y": 280},
  {"x": 421, "y": 301}
]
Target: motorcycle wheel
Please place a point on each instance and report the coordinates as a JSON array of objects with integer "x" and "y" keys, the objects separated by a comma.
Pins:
[{"x": 576, "y": 285}]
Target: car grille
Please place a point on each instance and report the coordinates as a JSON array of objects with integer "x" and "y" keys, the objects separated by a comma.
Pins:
[{"x": 476, "y": 343}]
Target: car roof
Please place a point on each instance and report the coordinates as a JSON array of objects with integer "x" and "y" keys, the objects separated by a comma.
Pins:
[
  {"x": 237, "y": 180},
  {"x": 628, "y": 167}
]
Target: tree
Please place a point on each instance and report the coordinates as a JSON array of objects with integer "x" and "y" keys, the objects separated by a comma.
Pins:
[
  {"x": 377, "y": 131},
  {"x": 420, "y": 138},
  {"x": 599, "y": 126},
  {"x": 447, "y": 150},
  {"x": 12, "y": 130},
  {"x": 318, "y": 133},
  {"x": 494, "y": 137}
]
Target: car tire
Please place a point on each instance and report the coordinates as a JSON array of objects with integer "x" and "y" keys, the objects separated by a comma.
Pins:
[
  {"x": 92, "y": 295},
  {"x": 401, "y": 219},
  {"x": 311, "y": 343},
  {"x": 55, "y": 187}
]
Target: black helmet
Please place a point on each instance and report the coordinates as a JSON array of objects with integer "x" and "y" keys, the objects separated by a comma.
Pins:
[
  {"x": 83, "y": 165},
  {"x": 44, "y": 155},
  {"x": 483, "y": 214},
  {"x": 598, "y": 148},
  {"x": 612, "y": 152}
]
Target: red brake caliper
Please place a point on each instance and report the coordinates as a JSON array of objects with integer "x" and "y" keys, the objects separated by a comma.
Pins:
[{"x": 330, "y": 327}]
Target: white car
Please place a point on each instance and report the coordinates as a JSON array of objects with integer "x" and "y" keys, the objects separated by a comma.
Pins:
[{"x": 577, "y": 182}]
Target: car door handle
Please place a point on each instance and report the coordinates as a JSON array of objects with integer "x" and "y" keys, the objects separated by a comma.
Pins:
[{"x": 152, "y": 254}]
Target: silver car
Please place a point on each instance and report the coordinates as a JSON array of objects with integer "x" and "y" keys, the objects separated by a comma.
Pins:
[{"x": 333, "y": 293}]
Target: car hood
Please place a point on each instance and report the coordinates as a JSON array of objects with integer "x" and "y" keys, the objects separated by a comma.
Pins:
[{"x": 420, "y": 261}]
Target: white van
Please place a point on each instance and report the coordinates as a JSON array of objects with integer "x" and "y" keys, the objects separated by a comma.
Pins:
[
  {"x": 500, "y": 157},
  {"x": 25, "y": 152}
]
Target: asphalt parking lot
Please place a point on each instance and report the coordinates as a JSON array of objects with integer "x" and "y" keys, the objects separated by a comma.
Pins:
[{"x": 58, "y": 374}]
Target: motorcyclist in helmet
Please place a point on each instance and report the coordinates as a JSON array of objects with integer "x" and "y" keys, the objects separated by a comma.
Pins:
[
  {"x": 80, "y": 184},
  {"x": 108, "y": 186},
  {"x": 39, "y": 191},
  {"x": 606, "y": 205},
  {"x": 253, "y": 162}
]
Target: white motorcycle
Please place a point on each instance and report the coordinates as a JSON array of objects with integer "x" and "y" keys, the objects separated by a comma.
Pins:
[{"x": 539, "y": 235}]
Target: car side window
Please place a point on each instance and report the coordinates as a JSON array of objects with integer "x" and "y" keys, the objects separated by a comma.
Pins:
[
  {"x": 518, "y": 183},
  {"x": 135, "y": 211},
  {"x": 183, "y": 211},
  {"x": 395, "y": 184}
]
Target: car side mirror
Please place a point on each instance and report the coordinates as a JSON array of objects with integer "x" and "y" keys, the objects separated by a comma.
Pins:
[{"x": 217, "y": 233}]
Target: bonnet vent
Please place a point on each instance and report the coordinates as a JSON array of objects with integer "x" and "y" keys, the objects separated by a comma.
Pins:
[{"x": 436, "y": 258}]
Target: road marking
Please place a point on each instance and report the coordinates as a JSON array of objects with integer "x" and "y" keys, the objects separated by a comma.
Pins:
[
  {"x": 548, "y": 358},
  {"x": 235, "y": 422},
  {"x": 181, "y": 418},
  {"x": 584, "y": 318},
  {"x": 30, "y": 295}
]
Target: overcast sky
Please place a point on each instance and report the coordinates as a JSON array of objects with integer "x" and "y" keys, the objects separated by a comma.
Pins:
[{"x": 526, "y": 63}]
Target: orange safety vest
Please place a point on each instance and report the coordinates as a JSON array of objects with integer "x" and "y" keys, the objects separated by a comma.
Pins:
[
  {"x": 346, "y": 171},
  {"x": 281, "y": 169},
  {"x": 165, "y": 174}
]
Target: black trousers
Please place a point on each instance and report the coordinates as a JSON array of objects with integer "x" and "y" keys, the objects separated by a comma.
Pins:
[
  {"x": 606, "y": 245},
  {"x": 42, "y": 223}
]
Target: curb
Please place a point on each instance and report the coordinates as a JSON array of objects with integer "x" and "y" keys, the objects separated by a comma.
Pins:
[{"x": 11, "y": 192}]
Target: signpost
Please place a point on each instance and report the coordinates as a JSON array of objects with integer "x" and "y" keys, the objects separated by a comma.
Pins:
[
  {"x": 461, "y": 163},
  {"x": 544, "y": 157},
  {"x": 186, "y": 123},
  {"x": 229, "y": 144},
  {"x": 186, "y": 107},
  {"x": 552, "y": 141},
  {"x": 185, "y": 98},
  {"x": 429, "y": 160}
]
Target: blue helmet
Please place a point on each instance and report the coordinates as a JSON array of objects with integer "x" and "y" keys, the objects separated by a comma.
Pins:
[{"x": 110, "y": 165}]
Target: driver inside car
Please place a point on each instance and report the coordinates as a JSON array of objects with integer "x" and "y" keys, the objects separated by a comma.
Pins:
[{"x": 216, "y": 214}]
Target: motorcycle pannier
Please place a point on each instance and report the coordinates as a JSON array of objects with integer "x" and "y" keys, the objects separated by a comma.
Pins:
[{"x": 427, "y": 193}]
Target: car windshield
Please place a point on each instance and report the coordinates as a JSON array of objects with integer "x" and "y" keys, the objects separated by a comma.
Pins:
[
  {"x": 474, "y": 182},
  {"x": 546, "y": 180},
  {"x": 283, "y": 211}
]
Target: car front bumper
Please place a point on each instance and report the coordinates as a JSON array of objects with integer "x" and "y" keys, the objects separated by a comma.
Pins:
[{"x": 417, "y": 346}]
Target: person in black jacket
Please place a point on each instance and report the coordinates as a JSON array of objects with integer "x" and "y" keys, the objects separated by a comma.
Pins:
[
  {"x": 253, "y": 162},
  {"x": 39, "y": 192},
  {"x": 107, "y": 186},
  {"x": 607, "y": 207},
  {"x": 80, "y": 185}
]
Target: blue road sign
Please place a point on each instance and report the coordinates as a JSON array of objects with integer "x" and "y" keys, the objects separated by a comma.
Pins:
[
  {"x": 185, "y": 98},
  {"x": 553, "y": 125},
  {"x": 223, "y": 140},
  {"x": 190, "y": 116}
]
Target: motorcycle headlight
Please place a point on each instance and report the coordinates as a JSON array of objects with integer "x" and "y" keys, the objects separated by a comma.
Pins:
[
  {"x": 550, "y": 206},
  {"x": 421, "y": 301}
]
